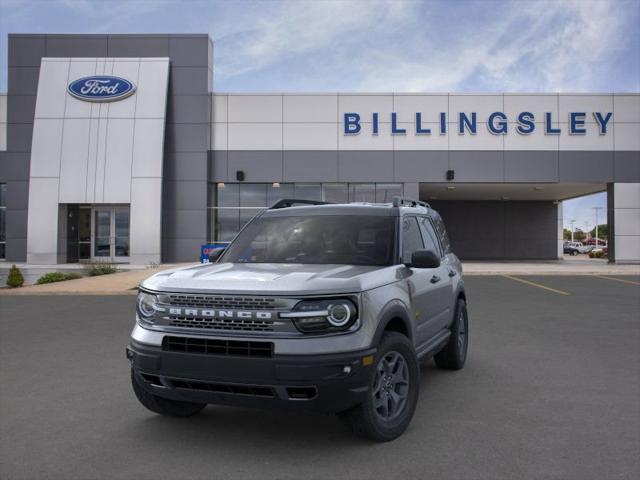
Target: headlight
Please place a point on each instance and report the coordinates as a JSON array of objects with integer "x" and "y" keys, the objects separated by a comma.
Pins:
[
  {"x": 146, "y": 305},
  {"x": 319, "y": 316}
]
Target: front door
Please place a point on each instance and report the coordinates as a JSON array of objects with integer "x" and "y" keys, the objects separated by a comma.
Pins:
[{"x": 111, "y": 234}]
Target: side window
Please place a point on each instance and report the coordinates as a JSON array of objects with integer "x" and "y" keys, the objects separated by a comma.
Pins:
[
  {"x": 442, "y": 233},
  {"x": 429, "y": 235},
  {"x": 411, "y": 238}
]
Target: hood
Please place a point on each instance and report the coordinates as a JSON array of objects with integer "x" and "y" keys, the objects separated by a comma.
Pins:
[{"x": 272, "y": 279}]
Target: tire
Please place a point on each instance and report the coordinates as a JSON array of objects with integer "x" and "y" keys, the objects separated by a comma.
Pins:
[
  {"x": 368, "y": 419},
  {"x": 454, "y": 353},
  {"x": 164, "y": 406},
  {"x": 574, "y": 253}
]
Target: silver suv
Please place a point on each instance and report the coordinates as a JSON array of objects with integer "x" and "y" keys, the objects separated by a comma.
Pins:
[{"x": 313, "y": 306}]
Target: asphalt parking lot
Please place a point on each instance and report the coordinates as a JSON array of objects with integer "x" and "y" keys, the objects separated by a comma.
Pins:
[{"x": 551, "y": 390}]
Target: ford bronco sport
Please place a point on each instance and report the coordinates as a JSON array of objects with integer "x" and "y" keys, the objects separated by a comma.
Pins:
[{"x": 320, "y": 307}]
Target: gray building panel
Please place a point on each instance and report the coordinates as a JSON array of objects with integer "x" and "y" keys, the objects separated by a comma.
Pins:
[
  {"x": 188, "y": 109},
  {"x": 428, "y": 166},
  {"x": 586, "y": 166},
  {"x": 22, "y": 108},
  {"x": 189, "y": 50},
  {"x": 188, "y": 80},
  {"x": 626, "y": 167},
  {"x": 138, "y": 46},
  {"x": 310, "y": 166},
  {"x": 23, "y": 80},
  {"x": 26, "y": 50},
  {"x": 14, "y": 167},
  {"x": 531, "y": 166},
  {"x": 19, "y": 138},
  {"x": 76, "y": 46},
  {"x": 365, "y": 166},
  {"x": 477, "y": 166},
  {"x": 257, "y": 165},
  {"x": 218, "y": 166},
  {"x": 187, "y": 137},
  {"x": 185, "y": 195},
  {"x": 184, "y": 166},
  {"x": 184, "y": 223}
]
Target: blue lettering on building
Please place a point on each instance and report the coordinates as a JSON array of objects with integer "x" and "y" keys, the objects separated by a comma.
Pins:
[{"x": 467, "y": 123}]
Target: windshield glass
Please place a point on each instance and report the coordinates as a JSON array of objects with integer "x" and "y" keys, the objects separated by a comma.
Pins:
[{"x": 341, "y": 239}]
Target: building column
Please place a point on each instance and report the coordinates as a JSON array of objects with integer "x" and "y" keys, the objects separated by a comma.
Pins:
[
  {"x": 623, "y": 207},
  {"x": 560, "y": 236}
]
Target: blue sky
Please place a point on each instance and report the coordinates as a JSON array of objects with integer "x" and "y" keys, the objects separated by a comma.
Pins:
[{"x": 370, "y": 45}]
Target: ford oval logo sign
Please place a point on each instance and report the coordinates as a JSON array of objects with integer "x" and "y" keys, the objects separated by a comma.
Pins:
[{"x": 101, "y": 88}]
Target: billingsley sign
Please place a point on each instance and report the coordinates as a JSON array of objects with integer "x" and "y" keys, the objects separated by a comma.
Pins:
[
  {"x": 497, "y": 123},
  {"x": 101, "y": 88}
]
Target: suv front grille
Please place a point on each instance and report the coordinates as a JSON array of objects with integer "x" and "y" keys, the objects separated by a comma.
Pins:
[
  {"x": 218, "y": 347},
  {"x": 229, "y": 324},
  {"x": 222, "y": 302}
]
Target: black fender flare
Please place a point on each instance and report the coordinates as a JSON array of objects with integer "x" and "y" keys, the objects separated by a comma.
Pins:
[{"x": 393, "y": 309}]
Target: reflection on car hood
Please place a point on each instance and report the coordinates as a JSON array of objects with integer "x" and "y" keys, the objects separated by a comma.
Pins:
[{"x": 272, "y": 278}]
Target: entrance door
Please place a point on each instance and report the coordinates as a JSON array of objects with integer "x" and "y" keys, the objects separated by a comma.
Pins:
[{"x": 111, "y": 234}]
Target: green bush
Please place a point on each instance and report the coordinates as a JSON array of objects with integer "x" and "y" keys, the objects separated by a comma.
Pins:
[
  {"x": 15, "y": 278},
  {"x": 100, "y": 269},
  {"x": 596, "y": 254},
  {"x": 52, "y": 277}
]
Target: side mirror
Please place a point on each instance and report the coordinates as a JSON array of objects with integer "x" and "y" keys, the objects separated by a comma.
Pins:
[
  {"x": 424, "y": 259},
  {"x": 215, "y": 255}
]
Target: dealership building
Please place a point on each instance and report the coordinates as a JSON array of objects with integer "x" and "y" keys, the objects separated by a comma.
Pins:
[{"x": 118, "y": 148}]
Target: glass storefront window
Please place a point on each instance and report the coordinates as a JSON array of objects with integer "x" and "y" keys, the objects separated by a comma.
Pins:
[
  {"x": 335, "y": 192},
  {"x": 362, "y": 192},
  {"x": 232, "y": 205}
]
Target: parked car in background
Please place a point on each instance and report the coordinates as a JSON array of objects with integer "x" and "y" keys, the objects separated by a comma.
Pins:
[{"x": 574, "y": 248}]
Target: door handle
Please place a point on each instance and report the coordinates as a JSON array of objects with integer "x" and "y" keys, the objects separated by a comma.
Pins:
[{"x": 435, "y": 279}]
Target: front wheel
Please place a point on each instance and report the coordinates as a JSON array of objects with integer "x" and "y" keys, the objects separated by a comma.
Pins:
[
  {"x": 393, "y": 392},
  {"x": 163, "y": 406},
  {"x": 454, "y": 353}
]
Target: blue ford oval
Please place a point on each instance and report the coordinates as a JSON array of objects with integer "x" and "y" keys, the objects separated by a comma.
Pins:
[{"x": 101, "y": 88}]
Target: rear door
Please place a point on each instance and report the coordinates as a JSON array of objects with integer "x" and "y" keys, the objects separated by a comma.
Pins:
[{"x": 443, "y": 287}]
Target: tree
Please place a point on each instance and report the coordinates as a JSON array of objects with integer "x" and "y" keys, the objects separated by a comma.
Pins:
[
  {"x": 15, "y": 278},
  {"x": 603, "y": 231}
]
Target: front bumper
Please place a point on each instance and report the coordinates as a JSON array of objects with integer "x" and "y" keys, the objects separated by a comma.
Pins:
[{"x": 321, "y": 383}]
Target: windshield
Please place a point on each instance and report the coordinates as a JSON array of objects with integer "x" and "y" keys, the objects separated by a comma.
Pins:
[{"x": 323, "y": 239}]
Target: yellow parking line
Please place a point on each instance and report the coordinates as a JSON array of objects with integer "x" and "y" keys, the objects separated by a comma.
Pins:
[
  {"x": 631, "y": 282},
  {"x": 534, "y": 284}
]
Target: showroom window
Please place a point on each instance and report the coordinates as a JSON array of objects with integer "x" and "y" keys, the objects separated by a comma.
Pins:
[
  {"x": 232, "y": 205},
  {"x": 3, "y": 221}
]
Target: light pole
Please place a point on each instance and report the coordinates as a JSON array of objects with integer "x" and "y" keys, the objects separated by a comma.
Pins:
[
  {"x": 572, "y": 222},
  {"x": 596, "y": 210}
]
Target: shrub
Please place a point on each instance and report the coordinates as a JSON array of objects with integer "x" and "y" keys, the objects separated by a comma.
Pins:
[
  {"x": 100, "y": 269},
  {"x": 596, "y": 254},
  {"x": 52, "y": 277},
  {"x": 15, "y": 278}
]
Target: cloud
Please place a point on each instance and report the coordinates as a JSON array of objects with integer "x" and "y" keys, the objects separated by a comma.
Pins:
[{"x": 409, "y": 46}]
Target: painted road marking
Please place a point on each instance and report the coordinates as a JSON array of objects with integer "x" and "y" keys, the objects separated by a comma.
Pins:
[
  {"x": 534, "y": 284},
  {"x": 631, "y": 282}
]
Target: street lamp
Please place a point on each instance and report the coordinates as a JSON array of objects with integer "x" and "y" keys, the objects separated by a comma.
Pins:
[
  {"x": 572, "y": 222},
  {"x": 596, "y": 210}
]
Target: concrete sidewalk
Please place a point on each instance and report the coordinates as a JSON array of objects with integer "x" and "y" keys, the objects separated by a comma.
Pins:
[
  {"x": 126, "y": 282},
  {"x": 112, "y": 284}
]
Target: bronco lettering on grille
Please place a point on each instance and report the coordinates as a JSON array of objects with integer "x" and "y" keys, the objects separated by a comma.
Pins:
[{"x": 196, "y": 312}]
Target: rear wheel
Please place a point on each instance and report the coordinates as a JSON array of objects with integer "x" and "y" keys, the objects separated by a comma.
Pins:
[
  {"x": 454, "y": 353},
  {"x": 393, "y": 393},
  {"x": 163, "y": 406}
]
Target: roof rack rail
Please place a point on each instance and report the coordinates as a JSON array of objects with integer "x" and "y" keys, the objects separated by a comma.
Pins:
[
  {"x": 400, "y": 201},
  {"x": 290, "y": 202}
]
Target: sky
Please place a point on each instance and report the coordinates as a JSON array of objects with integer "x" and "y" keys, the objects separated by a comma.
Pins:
[{"x": 377, "y": 45}]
